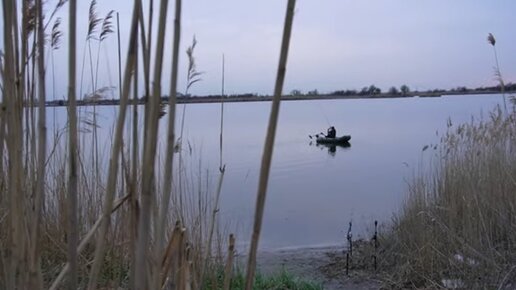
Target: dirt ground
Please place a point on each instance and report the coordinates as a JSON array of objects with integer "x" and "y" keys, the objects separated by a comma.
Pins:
[{"x": 325, "y": 265}]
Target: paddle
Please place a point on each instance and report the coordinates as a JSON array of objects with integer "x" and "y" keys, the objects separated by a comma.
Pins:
[{"x": 317, "y": 135}]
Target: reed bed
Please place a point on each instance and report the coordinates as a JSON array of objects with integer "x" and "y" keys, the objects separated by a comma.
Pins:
[
  {"x": 75, "y": 216},
  {"x": 457, "y": 227}
]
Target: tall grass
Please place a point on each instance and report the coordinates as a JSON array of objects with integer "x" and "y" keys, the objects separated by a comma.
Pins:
[{"x": 459, "y": 220}]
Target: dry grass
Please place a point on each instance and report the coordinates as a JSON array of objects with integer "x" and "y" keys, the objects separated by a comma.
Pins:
[{"x": 459, "y": 220}]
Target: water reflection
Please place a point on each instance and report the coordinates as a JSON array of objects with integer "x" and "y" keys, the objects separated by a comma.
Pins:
[{"x": 332, "y": 148}]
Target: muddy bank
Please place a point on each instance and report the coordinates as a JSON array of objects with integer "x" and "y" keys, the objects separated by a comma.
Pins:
[{"x": 325, "y": 265}]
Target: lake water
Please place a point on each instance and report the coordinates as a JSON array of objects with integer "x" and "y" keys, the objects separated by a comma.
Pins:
[{"x": 315, "y": 191}]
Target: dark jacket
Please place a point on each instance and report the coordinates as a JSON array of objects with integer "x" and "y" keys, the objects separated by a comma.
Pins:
[{"x": 332, "y": 133}]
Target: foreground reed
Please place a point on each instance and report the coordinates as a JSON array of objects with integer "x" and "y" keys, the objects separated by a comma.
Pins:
[
  {"x": 457, "y": 226},
  {"x": 269, "y": 146},
  {"x": 151, "y": 242}
]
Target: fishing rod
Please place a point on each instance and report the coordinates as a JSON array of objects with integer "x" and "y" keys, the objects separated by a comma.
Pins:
[{"x": 324, "y": 115}]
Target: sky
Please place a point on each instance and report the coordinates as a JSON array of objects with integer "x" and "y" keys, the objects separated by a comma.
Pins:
[{"x": 336, "y": 44}]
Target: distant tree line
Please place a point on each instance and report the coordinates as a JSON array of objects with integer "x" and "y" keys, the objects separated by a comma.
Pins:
[
  {"x": 373, "y": 90},
  {"x": 370, "y": 91}
]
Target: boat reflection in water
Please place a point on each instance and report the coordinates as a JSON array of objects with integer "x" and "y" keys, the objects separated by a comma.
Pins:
[{"x": 332, "y": 148}]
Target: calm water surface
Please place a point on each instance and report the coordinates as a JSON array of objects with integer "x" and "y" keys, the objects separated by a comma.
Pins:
[{"x": 315, "y": 191}]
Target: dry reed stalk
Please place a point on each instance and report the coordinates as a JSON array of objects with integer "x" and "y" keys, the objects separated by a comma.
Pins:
[
  {"x": 2, "y": 142},
  {"x": 133, "y": 185},
  {"x": 169, "y": 158},
  {"x": 2, "y": 158},
  {"x": 26, "y": 17},
  {"x": 55, "y": 41},
  {"x": 29, "y": 21},
  {"x": 24, "y": 31},
  {"x": 93, "y": 22},
  {"x": 149, "y": 39},
  {"x": 221, "y": 115},
  {"x": 213, "y": 279},
  {"x": 16, "y": 43},
  {"x": 73, "y": 236},
  {"x": 187, "y": 270},
  {"x": 115, "y": 153},
  {"x": 120, "y": 56},
  {"x": 16, "y": 220},
  {"x": 35, "y": 275},
  {"x": 85, "y": 241},
  {"x": 228, "y": 270},
  {"x": 222, "y": 169},
  {"x": 149, "y": 154},
  {"x": 181, "y": 262},
  {"x": 1, "y": 74},
  {"x": 191, "y": 266},
  {"x": 30, "y": 157},
  {"x": 212, "y": 223},
  {"x": 32, "y": 139},
  {"x": 146, "y": 57},
  {"x": 192, "y": 77},
  {"x": 172, "y": 264},
  {"x": 170, "y": 254},
  {"x": 269, "y": 146}
]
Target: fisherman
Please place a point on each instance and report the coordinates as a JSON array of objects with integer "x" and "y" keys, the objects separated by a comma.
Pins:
[{"x": 332, "y": 133}]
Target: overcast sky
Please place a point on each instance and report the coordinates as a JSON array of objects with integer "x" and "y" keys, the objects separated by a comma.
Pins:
[{"x": 336, "y": 44}]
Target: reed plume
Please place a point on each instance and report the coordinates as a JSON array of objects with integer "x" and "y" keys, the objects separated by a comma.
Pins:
[
  {"x": 93, "y": 20},
  {"x": 29, "y": 15},
  {"x": 491, "y": 39},
  {"x": 498, "y": 73},
  {"x": 56, "y": 35},
  {"x": 193, "y": 76},
  {"x": 58, "y": 6},
  {"x": 107, "y": 26},
  {"x": 105, "y": 31}
]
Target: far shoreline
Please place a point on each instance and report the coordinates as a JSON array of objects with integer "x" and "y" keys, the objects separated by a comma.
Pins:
[{"x": 256, "y": 98}]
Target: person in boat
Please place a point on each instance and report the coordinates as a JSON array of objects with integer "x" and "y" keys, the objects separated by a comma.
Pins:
[{"x": 332, "y": 133}]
